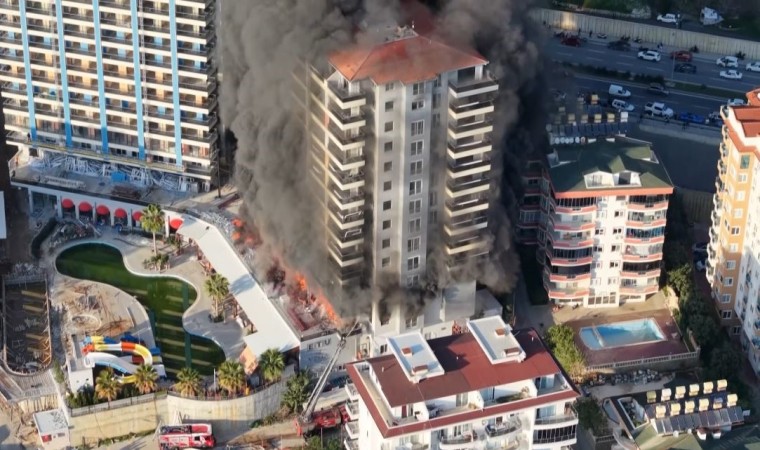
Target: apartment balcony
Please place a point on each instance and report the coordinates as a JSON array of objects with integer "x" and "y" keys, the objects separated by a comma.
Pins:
[
  {"x": 346, "y": 159},
  {"x": 721, "y": 167},
  {"x": 555, "y": 438},
  {"x": 571, "y": 225},
  {"x": 717, "y": 201},
  {"x": 643, "y": 239},
  {"x": 346, "y": 140},
  {"x": 470, "y": 129},
  {"x": 469, "y": 107},
  {"x": 346, "y": 98},
  {"x": 466, "y": 244},
  {"x": 8, "y": 6},
  {"x": 346, "y": 256},
  {"x": 353, "y": 198},
  {"x": 466, "y": 206},
  {"x": 640, "y": 274},
  {"x": 570, "y": 240},
  {"x": 6, "y": 56},
  {"x": 351, "y": 444},
  {"x": 645, "y": 222},
  {"x": 639, "y": 289},
  {"x": 345, "y": 238},
  {"x": 460, "y": 187},
  {"x": 564, "y": 274},
  {"x": 566, "y": 260},
  {"x": 352, "y": 430},
  {"x": 344, "y": 120},
  {"x": 637, "y": 254},
  {"x": 15, "y": 105},
  {"x": 500, "y": 430},
  {"x": 463, "y": 441},
  {"x": 568, "y": 417},
  {"x": 468, "y": 147},
  {"x": 346, "y": 180},
  {"x": 715, "y": 217},
  {"x": 345, "y": 220},
  {"x": 347, "y": 275},
  {"x": 457, "y": 169},
  {"x": 566, "y": 293},
  {"x": 468, "y": 87},
  {"x": 352, "y": 392},
  {"x": 643, "y": 203},
  {"x": 467, "y": 225},
  {"x": 352, "y": 408}
]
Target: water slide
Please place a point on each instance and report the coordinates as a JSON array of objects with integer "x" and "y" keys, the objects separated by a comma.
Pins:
[{"x": 98, "y": 357}]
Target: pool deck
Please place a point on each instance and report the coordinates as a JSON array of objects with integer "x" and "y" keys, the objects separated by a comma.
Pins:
[{"x": 669, "y": 346}]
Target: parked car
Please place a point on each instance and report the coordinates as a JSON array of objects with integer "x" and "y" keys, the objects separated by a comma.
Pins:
[
  {"x": 619, "y": 91},
  {"x": 753, "y": 67},
  {"x": 692, "y": 118},
  {"x": 649, "y": 55},
  {"x": 658, "y": 109},
  {"x": 714, "y": 119},
  {"x": 558, "y": 96},
  {"x": 657, "y": 88},
  {"x": 700, "y": 247},
  {"x": 736, "y": 102},
  {"x": 681, "y": 55},
  {"x": 622, "y": 105},
  {"x": 731, "y": 74},
  {"x": 686, "y": 68},
  {"x": 622, "y": 46},
  {"x": 728, "y": 61},
  {"x": 668, "y": 18},
  {"x": 572, "y": 41},
  {"x": 700, "y": 265}
]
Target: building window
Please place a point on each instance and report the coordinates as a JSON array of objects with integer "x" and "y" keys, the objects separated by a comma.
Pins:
[
  {"x": 734, "y": 231},
  {"x": 386, "y": 224},
  {"x": 433, "y": 200},
  {"x": 726, "y": 314},
  {"x": 736, "y": 329},
  {"x": 388, "y": 126},
  {"x": 744, "y": 164},
  {"x": 436, "y": 100},
  {"x": 740, "y": 196},
  {"x": 413, "y": 245},
  {"x": 386, "y": 205},
  {"x": 413, "y": 263},
  {"x": 598, "y": 248},
  {"x": 418, "y": 104},
  {"x": 415, "y": 225},
  {"x": 388, "y": 106},
  {"x": 385, "y": 262},
  {"x": 415, "y": 206},
  {"x": 387, "y": 166},
  {"x": 733, "y": 248},
  {"x": 614, "y": 264},
  {"x": 437, "y": 81},
  {"x": 742, "y": 178},
  {"x": 738, "y": 213},
  {"x": 386, "y": 243},
  {"x": 731, "y": 265},
  {"x": 388, "y": 147},
  {"x": 418, "y": 127},
  {"x": 412, "y": 281},
  {"x": 418, "y": 88},
  {"x": 390, "y": 86},
  {"x": 415, "y": 187},
  {"x": 415, "y": 168},
  {"x": 384, "y": 347},
  {"x": 617, "y": 230},
  {"x": 416, "y": 149},
  {"x": 615, "y": 248},
  {"x": 599, "y": 232},
  {"x": 433, "y": 217},
  {"x": 436, "y": 120},
  {"x": 728, "y": 282},
  {"x": 725, "y": 298},
  {"x": 618, "y": 213},
  {"x": 387, "y": 185}
]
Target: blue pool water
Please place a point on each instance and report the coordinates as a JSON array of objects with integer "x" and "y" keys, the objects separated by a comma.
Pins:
[{"x": 618, "y": 334}]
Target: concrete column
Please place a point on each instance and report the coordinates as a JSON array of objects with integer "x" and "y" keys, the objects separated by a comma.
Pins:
[
  {"x": 113, "y": 218},
  {"x": 94, "y": 214},
  {"x": 31, "y": 200},
  {"x": 76, "y": 211},
  {"x": 58, "y": 207}
]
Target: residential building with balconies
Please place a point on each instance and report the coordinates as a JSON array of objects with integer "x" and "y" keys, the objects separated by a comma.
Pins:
[
  {"x": 400, "y": 140},
  {"x": 734, "y": 248},
  {"x": 116, "y": 91},
  {"x": 488, "y": 388},
  {"x": 602, "y": 226}
]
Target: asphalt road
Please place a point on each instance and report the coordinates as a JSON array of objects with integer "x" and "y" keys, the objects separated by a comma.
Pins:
[{"x": 595, "y": 53}]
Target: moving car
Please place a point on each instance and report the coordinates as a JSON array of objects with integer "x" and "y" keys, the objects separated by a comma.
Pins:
[
  {"x": 619, "y": 91},
  {"x": 728, "y": 61},
  {"x": 622, "y": 105},
  {"x": 668, "y": 18},
  {"x": 622, "y": 46},
  {"x": 692, "y": 118},
  {"x": 686, "y": 68},
  {"x": 753, "y": 66},
  {"x": 736, "y": 102},
  {"x": 681, "y": 55},
  {"x": 658, "y": 109},
  {"x": 649, "y": 55},
  {"x": 657, "y": 88},
  {"x": 572, "y": 41},
  {"x": 731, "y": 74}
]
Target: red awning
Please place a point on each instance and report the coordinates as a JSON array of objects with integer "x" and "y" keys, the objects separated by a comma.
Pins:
[
  {"x": 102, "y": 210},
  {"x": 120, "y": 213},
  {"x": 67, "y": 204},
  {"x": 175, "y": 223},
  {"x": 85, "y": 207},
  {"x": 137, "y": 215}
]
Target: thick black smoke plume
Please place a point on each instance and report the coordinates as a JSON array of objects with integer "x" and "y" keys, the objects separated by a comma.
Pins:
[{"x": 265, "y": 42}]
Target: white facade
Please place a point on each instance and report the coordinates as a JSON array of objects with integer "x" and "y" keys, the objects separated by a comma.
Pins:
[{"x": 431, "y": 423}]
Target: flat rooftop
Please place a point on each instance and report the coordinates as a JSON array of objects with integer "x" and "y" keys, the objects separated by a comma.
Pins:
[
  {"x": 49, "y": 422},
  {"x": 496, "y": 340},
  {"x": 415, "y": 357}
]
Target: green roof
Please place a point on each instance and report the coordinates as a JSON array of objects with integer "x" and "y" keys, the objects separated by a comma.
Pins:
[{"x": 610, "y": 157}]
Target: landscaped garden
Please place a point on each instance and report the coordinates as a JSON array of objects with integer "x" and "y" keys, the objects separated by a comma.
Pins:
[{"x": 165, "y": 298}]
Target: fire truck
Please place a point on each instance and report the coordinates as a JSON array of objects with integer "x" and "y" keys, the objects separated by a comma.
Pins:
[{"x": 196, "y": 435}]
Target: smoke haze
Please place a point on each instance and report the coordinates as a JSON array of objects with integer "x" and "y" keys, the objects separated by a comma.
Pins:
[{"x": 263, "y": 42}]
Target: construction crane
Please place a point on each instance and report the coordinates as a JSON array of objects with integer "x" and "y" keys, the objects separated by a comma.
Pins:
[{"x": 305, "y": 421}]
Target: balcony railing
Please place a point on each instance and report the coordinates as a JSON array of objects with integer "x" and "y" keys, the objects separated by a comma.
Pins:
[
  {"x": 503, "y": 428},
  {"x": 568, "y": 415},
  {"x": 454, "y": 440}
]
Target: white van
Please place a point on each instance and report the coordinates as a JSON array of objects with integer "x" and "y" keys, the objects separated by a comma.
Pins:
[{"x": 619, "y": 91}]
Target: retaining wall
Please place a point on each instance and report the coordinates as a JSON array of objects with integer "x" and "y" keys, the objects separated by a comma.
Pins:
[{"x": 653, "y": 34}]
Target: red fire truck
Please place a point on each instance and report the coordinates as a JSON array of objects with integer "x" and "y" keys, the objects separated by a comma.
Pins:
[{"x": 196, "y": 435}]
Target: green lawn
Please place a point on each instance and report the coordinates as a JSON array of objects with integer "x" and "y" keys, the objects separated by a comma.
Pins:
[
  {"x": 165, "y": 299},
  {"x": 533, "y": 275}
]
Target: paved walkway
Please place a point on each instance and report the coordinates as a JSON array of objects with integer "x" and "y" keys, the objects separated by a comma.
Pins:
[{"x": 674, "y": 128}]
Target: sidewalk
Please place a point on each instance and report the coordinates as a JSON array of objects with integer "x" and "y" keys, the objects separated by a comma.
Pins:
[{"x": 703, "y": 134}]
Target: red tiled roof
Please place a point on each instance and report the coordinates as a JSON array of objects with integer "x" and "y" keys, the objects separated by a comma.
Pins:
[
  {"x": 407, "y": 60},
  {"x": 753, "y": 97},
  {"x": 466, "y": 367}
]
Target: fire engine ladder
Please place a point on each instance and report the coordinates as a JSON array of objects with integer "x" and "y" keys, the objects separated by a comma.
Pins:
[{"x": 311, "y": 404}]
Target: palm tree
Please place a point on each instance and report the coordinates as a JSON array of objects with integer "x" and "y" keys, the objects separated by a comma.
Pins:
[
  {"x": 145, "y": 378},
  {"x": 231, "y": 377},
  {"x": 271, "y": 364},
  {"x": 296, "y": 392},
  {"x": 107, "y": 387},
  {"x": 188, "y": 382},
  {"x": 218, "y": 288},
  {"x": 153, "y": 221}
]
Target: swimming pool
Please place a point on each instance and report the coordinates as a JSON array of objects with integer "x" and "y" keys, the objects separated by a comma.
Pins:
[{"x": 618, "y": 334}]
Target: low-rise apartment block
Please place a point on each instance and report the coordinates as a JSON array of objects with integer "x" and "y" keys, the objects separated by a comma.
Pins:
[
  {"x": 602, "y": 225},
  {"x": 488, "y": 388}
]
